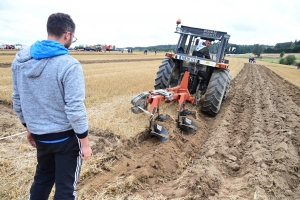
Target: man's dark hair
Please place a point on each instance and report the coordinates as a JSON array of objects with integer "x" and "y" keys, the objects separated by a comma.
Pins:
[{"x": 59, "y": 23}]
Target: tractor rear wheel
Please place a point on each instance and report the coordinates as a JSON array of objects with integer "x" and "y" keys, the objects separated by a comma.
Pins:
[
  {"x": 215, "y": 91},
  {"x": 166, "y": 75}
]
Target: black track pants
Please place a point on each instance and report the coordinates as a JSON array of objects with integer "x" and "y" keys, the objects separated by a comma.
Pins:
[{"x": 58, "y": 163}]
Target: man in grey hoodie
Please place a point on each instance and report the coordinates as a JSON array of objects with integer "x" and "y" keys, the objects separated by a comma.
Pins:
[{"x": 48, "y": 96}]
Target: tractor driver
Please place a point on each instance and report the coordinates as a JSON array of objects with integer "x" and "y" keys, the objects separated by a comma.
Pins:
[{"x": 202, "y": 49}]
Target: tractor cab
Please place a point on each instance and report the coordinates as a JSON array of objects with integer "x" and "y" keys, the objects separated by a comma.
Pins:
[{"x": 190, "y": 38}]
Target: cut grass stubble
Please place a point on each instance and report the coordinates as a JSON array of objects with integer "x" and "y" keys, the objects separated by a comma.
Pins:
[{"x": 110, "y": 88}]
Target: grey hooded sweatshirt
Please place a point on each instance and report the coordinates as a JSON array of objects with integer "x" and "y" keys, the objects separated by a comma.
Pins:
[{"x": 49, "y": 95}]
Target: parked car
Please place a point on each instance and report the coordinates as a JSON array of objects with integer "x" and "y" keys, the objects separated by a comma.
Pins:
[{"x": 89, "y": 49}]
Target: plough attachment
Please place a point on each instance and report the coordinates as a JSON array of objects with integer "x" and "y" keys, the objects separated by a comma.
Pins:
[{"x": 156, "y": 97}]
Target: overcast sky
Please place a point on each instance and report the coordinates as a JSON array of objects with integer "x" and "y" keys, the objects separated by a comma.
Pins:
[{"x": 132, "y": 23}]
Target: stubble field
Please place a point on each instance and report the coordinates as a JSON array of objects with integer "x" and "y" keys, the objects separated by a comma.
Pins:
[{"x": 249, "y": 151}]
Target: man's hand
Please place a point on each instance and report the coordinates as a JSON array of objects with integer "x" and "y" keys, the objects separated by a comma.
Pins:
[
  {"x": 86, "y": 149},
  {"x": 30, "y": 140},
  {"x": 86, "y": 152}
]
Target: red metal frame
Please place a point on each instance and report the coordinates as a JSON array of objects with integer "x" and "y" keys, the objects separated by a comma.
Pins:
[{"x": 181, "y": 93}]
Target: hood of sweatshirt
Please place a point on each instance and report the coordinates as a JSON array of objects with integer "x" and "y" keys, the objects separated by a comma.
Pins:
[{"x": 35, "y": 58}]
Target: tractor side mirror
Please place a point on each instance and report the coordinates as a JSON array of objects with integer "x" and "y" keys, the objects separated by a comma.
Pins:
[
  {"x": 232, "y": 49},
  {"x": 197, "y": 42}
]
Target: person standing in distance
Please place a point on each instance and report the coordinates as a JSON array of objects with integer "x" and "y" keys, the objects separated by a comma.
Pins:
[{"x": 48, "y": 97}]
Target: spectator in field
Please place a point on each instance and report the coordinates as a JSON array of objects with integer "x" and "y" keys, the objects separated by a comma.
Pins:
[
  {"x": 299, "y": 65},
  {"x": 155, "y": 52},
  {"x": 251, "y": 60},
  {"x": 48, "y": 96}
]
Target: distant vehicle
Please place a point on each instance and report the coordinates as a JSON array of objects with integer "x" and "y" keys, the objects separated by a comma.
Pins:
[
  {"x": 18, "y": 46},
  {"x": 109, "y": 48},
  {"x": 89, "y": 49},
  {"x": 79, "y": 47},
  {"x": 98, "y": 47},
  {"x": 8, "y": 46}
]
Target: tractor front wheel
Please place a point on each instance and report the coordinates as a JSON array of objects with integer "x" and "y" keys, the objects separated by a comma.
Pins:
[{"x": 167, "y": 75}]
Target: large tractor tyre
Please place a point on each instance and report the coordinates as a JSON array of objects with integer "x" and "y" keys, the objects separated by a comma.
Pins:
[
  {"x": 227, "y": 86},
  {"x": 215, "y": 92},
  {"x": 165, "y": 75}
]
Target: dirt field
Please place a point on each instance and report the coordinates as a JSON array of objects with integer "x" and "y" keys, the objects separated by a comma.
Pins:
[{"x": 251, "y": 150}]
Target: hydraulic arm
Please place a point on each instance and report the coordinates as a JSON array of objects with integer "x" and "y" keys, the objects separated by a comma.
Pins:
[{"x": 156, "y": 97}]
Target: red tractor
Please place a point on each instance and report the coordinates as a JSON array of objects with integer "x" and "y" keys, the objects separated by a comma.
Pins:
[
  {"x": 107, "y": 48},
  {"x": 186, "y": 75}
]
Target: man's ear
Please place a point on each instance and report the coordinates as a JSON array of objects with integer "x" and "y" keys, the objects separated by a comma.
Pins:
[{"x": 66, "y": 36}]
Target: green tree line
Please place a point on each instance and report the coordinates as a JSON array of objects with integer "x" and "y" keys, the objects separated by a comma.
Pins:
[
  {"x": 240, "y": 49},
  {"x": 166, "y": 48},
  {"x": 287, "y": 47}
]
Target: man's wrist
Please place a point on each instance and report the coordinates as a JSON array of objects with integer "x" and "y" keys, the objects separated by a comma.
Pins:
[
  {"x": 83, "y": 135},
  {"x": 84, "y": 142}
]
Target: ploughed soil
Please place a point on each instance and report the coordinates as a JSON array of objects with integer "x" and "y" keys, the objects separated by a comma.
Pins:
[{"x": 250, "y": 150}]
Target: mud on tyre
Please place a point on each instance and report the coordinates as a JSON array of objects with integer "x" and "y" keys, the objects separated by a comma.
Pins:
[
  {"x": 217, "y": 88},
  {"x": 166, "y": 75},
  {"x": 227, "y": 86}
]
